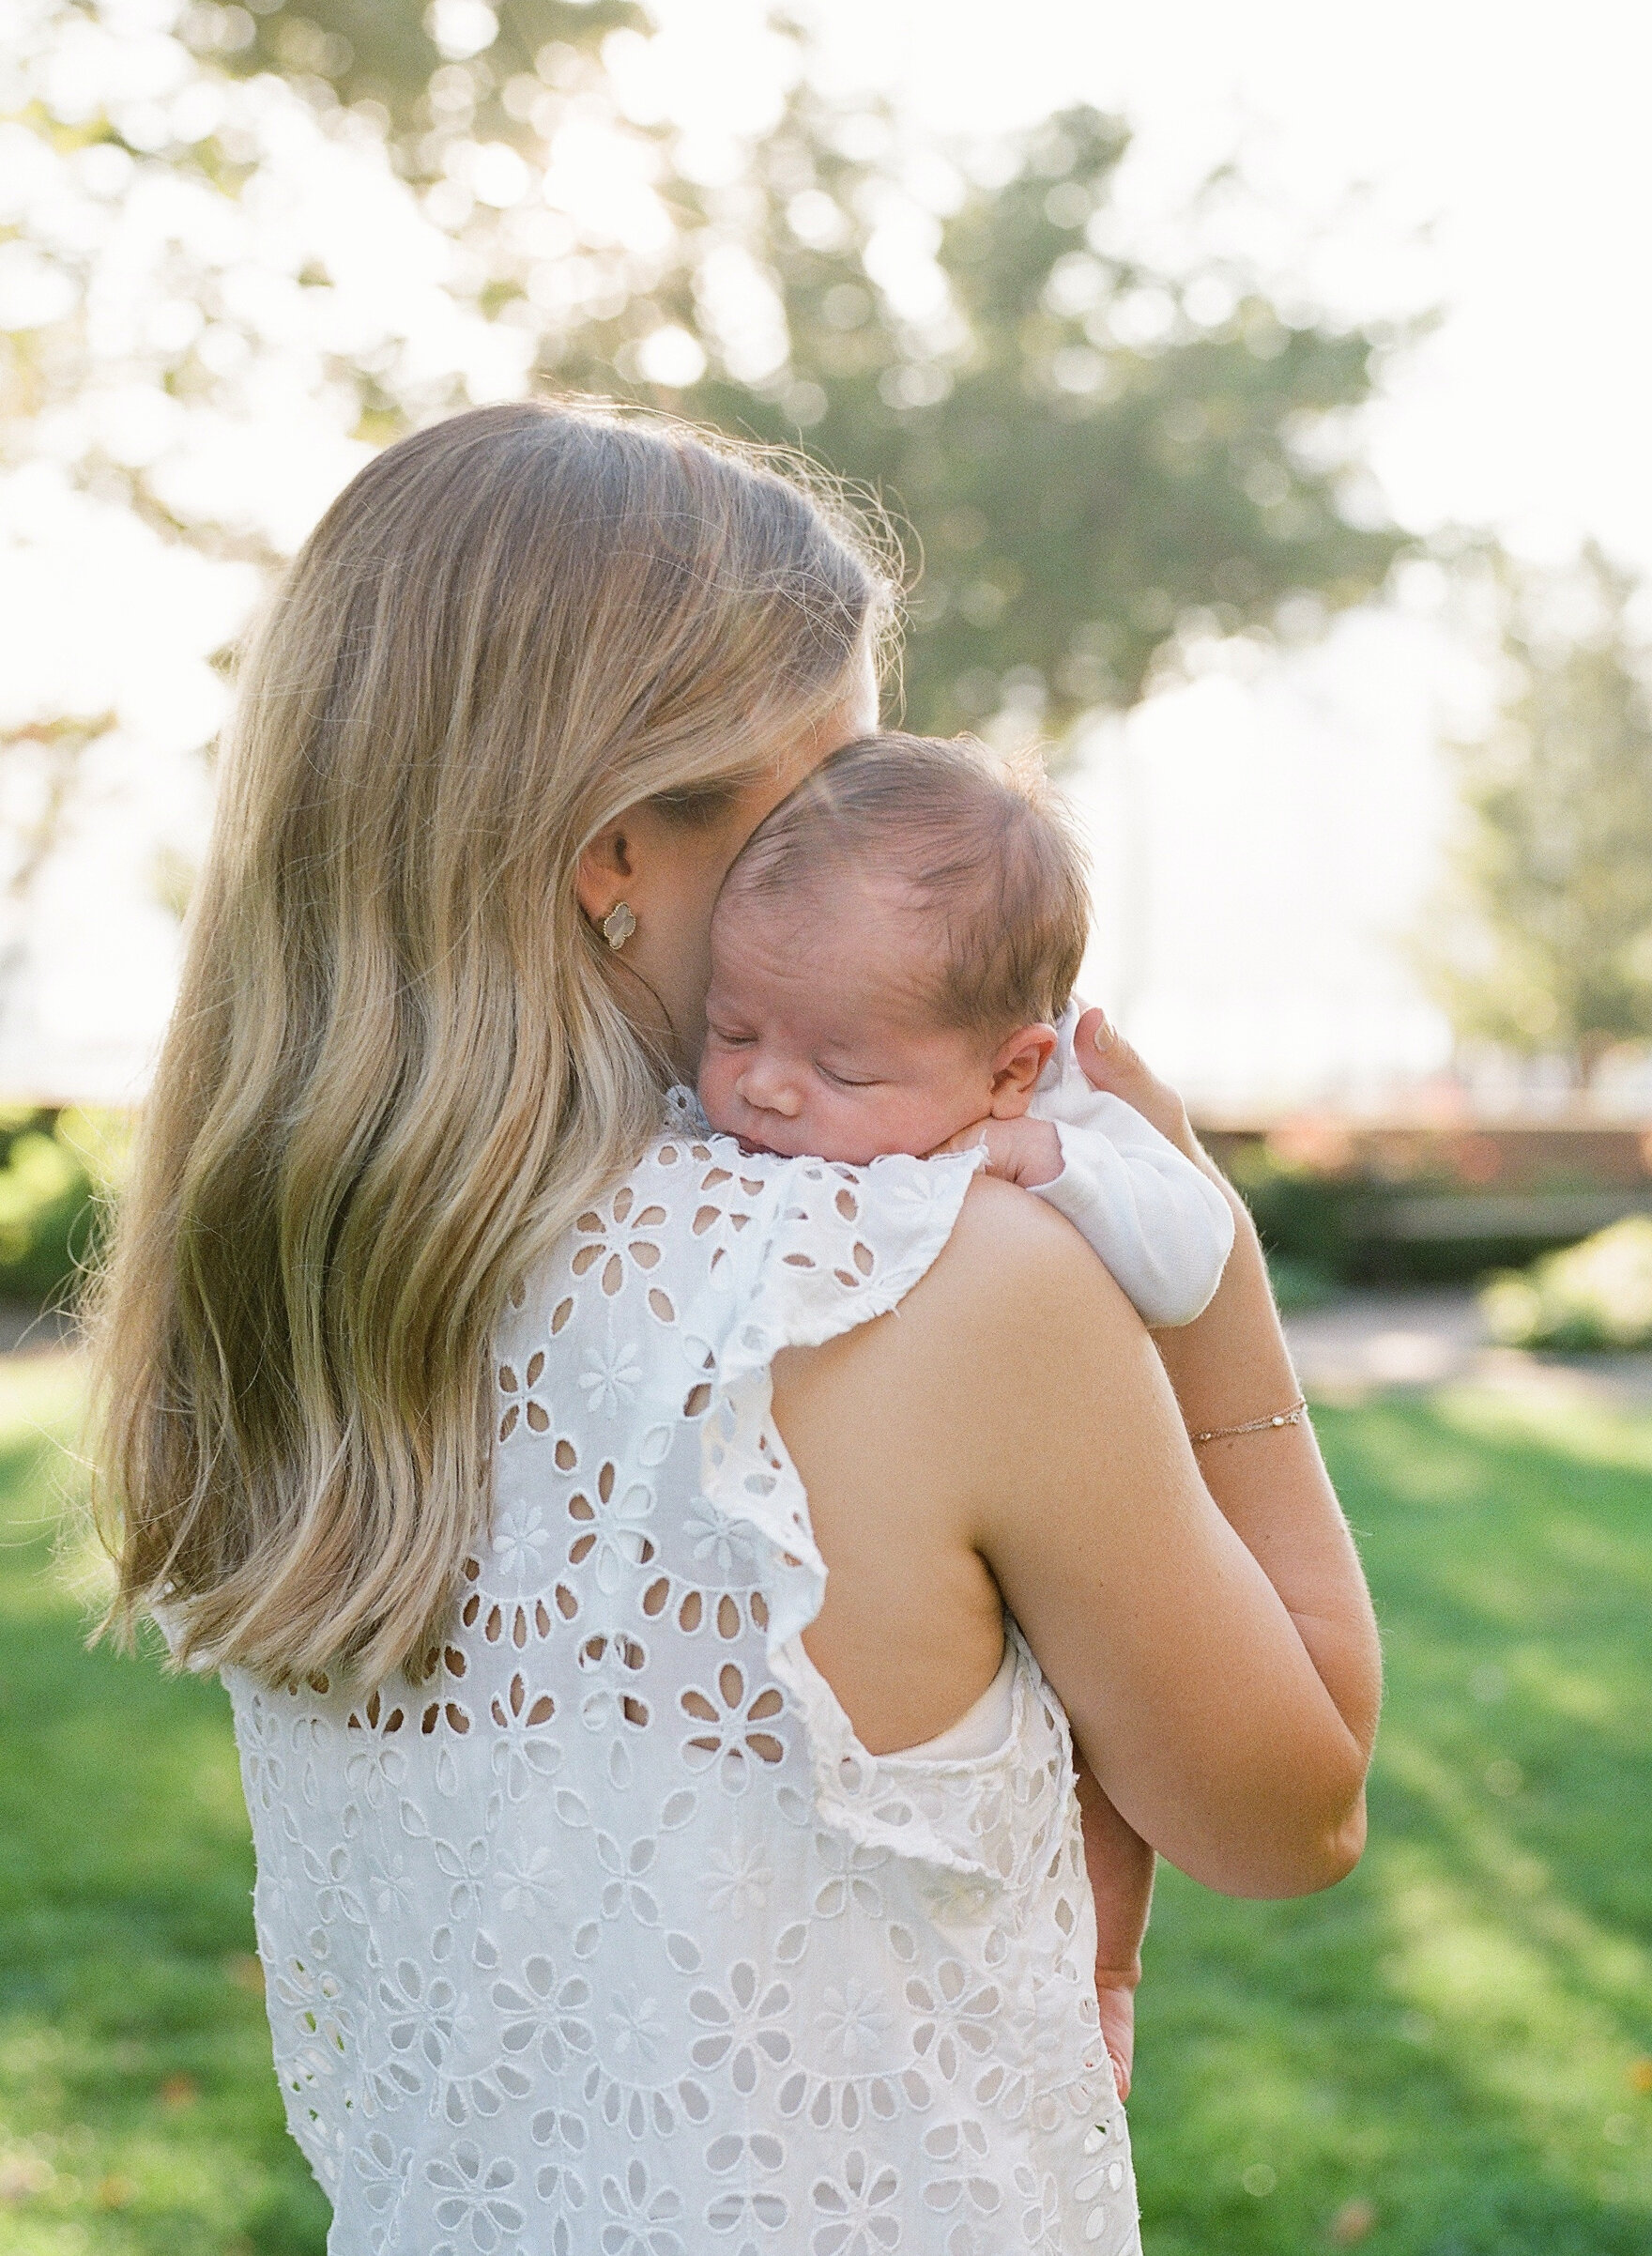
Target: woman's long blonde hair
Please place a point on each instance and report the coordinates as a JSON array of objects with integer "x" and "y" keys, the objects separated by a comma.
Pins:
[{"x": 397, "y": 1070}]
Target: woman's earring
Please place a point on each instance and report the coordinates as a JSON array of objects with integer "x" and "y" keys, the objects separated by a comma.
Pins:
[{"x": 619, "y": 925}]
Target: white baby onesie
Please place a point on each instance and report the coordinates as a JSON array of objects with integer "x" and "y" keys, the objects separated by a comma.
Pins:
[{"x": 1161, "y": 1226}]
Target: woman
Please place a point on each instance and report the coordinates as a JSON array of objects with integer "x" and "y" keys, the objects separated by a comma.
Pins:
[{"x": 580, "y": 1547}]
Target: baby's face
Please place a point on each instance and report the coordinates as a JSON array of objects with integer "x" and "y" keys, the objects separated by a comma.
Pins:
[{"x": 821, "y": 1034}]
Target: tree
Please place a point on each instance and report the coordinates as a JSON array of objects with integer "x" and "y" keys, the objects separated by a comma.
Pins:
[
  {"x": 1085, "y": 448},
  {"x": 1544, "y": 945},
  {"x": 244, "y": 245},
  {"x": 205, "y": 284}
]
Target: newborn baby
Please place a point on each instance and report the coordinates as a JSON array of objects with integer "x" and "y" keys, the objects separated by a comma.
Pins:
[{"x": 892, "y": 958}]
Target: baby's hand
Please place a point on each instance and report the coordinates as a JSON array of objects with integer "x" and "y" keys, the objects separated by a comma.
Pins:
[{"x": 1023, "y": 1151}]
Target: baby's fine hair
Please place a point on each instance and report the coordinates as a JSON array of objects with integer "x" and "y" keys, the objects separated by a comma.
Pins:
[{"x": 984, "y": 844}]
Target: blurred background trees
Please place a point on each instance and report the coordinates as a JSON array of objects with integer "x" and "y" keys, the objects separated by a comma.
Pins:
[
  {"x": 243, "y": 246},
  {"x": 1086, "y": 451},
  {"x": 234, "y": 236},
  {"x": 1544, "y": 945}
]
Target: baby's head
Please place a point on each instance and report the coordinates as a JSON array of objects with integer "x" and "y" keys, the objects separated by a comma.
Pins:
[{"x": 890, "y": 952}]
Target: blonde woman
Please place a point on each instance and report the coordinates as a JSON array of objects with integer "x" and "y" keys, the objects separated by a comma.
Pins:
[{"x": 591, "y": 1555}]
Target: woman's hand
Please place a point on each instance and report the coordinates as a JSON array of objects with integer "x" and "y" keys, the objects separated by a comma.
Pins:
[
  {"x": 1109, "y": 1064},
  {"x": 1120, "y": 1866},
  {"x": 1028, "y": 1151},
  {"x": 1115, "y": 2003}
]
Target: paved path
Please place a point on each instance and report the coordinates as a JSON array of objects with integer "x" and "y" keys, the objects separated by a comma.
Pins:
[
  {"x": 1355, "y": 1348},
  {"x": 24, "y": 1330},
  {"x": 1359, "y": 1346}
]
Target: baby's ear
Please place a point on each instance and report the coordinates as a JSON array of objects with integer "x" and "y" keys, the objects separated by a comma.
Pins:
[{"x": 1017, "y": 1064}]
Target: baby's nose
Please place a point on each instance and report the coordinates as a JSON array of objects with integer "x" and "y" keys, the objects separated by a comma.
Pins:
[{"x": 768, "y": 1090}]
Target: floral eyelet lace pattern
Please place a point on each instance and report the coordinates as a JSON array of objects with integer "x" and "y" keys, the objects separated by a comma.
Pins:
[{"x": 598, "y": 1933}]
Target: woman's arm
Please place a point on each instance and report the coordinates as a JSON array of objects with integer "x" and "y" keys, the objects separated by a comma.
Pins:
[
  {"x": 1191, "y": 1689},
  {"x": 1008, "y": 1435},
  {"x": 1230, "y": 1366}
]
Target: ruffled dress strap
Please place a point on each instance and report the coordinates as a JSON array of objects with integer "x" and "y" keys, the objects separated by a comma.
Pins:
[{"x": 829, "y": 1247}]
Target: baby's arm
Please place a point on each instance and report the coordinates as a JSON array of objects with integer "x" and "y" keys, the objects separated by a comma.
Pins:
[
  {"x": 1159, "y": 1223},
  {"x": 1121, "y": 1866}
]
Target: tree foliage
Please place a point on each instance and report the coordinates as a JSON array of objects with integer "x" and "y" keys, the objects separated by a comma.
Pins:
[
  {"x": 1085, "y": 450},
  {"x": 1546, "y": 944}
]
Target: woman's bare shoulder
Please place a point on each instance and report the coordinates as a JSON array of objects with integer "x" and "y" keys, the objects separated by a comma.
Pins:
[
  {"x": 1012, "y": 1265},
  {"x": 1015, "y": 1336},
  {"x": 1016, "y": 1323}
]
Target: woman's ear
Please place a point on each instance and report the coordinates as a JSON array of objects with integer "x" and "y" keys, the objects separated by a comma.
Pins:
[
  {"x": 1016, "y": 1067},
  {"x": 605, "y": 872}
]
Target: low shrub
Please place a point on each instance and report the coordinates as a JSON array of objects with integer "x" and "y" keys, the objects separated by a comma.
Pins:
[
  {"x": 1338, "y": 1204},
  {"x": 1591, "y": 1296},
  {"x": 57, "y": 1166},
  {"x": 1299, "y": 1285}
]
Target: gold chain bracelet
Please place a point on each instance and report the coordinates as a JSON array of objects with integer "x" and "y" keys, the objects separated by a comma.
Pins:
[{"x": 1292, "y": 1416}]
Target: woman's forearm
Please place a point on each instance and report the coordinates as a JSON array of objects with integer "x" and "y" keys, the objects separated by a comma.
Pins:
[
  {"x": 1230, "y": 1366},
  {"x": 1231, "y": 1363}
]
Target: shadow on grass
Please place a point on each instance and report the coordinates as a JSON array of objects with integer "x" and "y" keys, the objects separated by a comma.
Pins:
[
  {"x": 1448, "y": 2055},
  {"x": 139, "y": 2108},
  {"x": 1445, "y": 2056}
]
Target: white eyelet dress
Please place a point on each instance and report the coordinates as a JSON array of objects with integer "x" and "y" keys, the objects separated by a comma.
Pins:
[{"x": 603, "y": 1936}]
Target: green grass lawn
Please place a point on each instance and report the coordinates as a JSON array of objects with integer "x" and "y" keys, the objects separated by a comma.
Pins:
[{"x": 1450, "y": 2055}]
